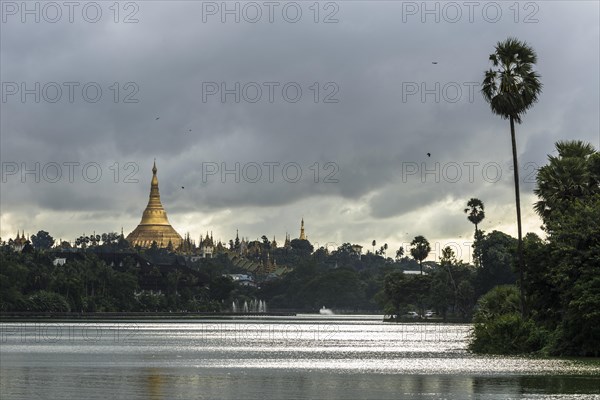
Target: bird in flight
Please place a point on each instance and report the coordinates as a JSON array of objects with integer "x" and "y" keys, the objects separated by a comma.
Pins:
[
  {"x": 434, "y": 62},
  {"x": 157, "y": 118},
  {"x": 183, "y": 187},
  {"x": 428, "y": 154}
]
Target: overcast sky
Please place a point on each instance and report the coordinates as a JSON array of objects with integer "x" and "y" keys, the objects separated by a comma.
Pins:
[{"x": 329, "y": 112}]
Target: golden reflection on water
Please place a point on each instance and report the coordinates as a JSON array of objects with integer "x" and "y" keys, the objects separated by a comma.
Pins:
[{"x": 155, "y": 381}]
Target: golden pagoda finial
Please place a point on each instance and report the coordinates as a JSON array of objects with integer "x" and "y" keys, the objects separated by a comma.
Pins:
[{"x": 302, "y": 235}]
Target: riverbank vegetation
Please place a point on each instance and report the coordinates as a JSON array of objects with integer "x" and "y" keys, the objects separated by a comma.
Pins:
[{"x": 561, "y": 274}]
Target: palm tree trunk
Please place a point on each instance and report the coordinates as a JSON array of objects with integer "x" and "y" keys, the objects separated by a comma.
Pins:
[
  {"x": 476, "y": 261},
  {"x": 518, "y": 204}
]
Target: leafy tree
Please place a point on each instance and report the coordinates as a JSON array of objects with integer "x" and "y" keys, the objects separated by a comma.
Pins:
[
  {"x": 562, "y": 284},
  {"x": 443, "y": 293},
  {"x": 573, "y": 174},
  {"x": 302, "y": 247},
  {"x": 173, "y": 279},
  {"x": 542, "y": 297},
  {"x": 475, "y": 214},
  {"x": 338, "y": 288},
  {"x": 447, "y": 261},
  {"x": 399, "y": 253},
  {"x": 497, "y": 259},
  {"x": 499, "y": 327},
  {"x": 221, "y": 287},
  {"x": 156, "y": 276},
  {"x": 42, "y": 240},
  {"x": 503, "y": 299},
  {"x": 465, "y": 298},
  {"x": 110, "y": 238},
  {"x": 511, "y": 89},
  {"x": 420, "y": 250},
  {"x": 82, "y": 241},
  {"x": 265, "y": 242},
  {"x": 400, "y": 290},
  {"x": 48, "y": 301},
  {"x": 574, "y": 272}
]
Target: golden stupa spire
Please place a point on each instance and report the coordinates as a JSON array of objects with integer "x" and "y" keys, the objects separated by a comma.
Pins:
[
  {"x": 302, "y": 236},
  {"x": 154, "y": 213},
  {"x": 154, "y": 225}
]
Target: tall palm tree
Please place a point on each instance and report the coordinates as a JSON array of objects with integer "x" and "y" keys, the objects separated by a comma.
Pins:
[
  {"x": 475, "y": 212},
  {"x": 420, "y": 250},
  {"x": 512, "y": 87},
  {"x": 399, "y": 253}
]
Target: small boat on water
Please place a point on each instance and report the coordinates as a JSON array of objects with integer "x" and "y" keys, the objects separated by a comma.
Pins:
[{"x": 325, "y": 311}]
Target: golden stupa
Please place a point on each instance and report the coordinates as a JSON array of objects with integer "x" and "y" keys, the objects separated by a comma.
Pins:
[{"x": 155, "y": 226}]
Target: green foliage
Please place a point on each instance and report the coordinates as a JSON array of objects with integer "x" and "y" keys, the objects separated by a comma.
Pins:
[
  {"x": 338, "y": 288},
  {"x": 498, "y": 301},
  {"x": 499, "y": 327},
  {"x": 508, "y": 334},
  {"x": 561, "y": 274},
  {"x": 574, "y": 250},
  {"x": 42, "y": 240},
  {"x": 221, "y": 287},
  {"x": 475, "y": 211},
  {"x": 497, "y": 258},
  {"x": 401, "y": 290},
  {"x": 573, "y": 174},
  {"x": 513, "y": 87},
  {"x": 564, "y": 272},
  {"x": 420, "y": 249},
  {"x": 48, "y": 301},
  {"x": 302, "y": 247},
  {"x": 85, "y": 283},
  {"x": 311, "y": 286}
]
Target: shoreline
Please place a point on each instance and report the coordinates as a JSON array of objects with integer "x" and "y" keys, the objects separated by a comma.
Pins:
[{"x": 58, "y": 316}]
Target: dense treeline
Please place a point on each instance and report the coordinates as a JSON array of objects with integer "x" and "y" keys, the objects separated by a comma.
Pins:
[
  {"x": 157, "y": 280},
  {"x": 451, "y": 287},
  {"x": 29, "y": 281},
  {"x": 561, "y": 274}
]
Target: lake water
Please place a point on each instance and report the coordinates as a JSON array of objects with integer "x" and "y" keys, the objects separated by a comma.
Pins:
[{"x": 303, "y": 357}]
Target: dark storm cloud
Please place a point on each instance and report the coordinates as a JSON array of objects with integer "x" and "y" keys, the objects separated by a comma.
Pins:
[{"x": 369, "y": 137}]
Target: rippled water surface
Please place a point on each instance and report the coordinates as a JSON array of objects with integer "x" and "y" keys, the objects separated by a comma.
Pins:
[{"x": 303, "y": 357}]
